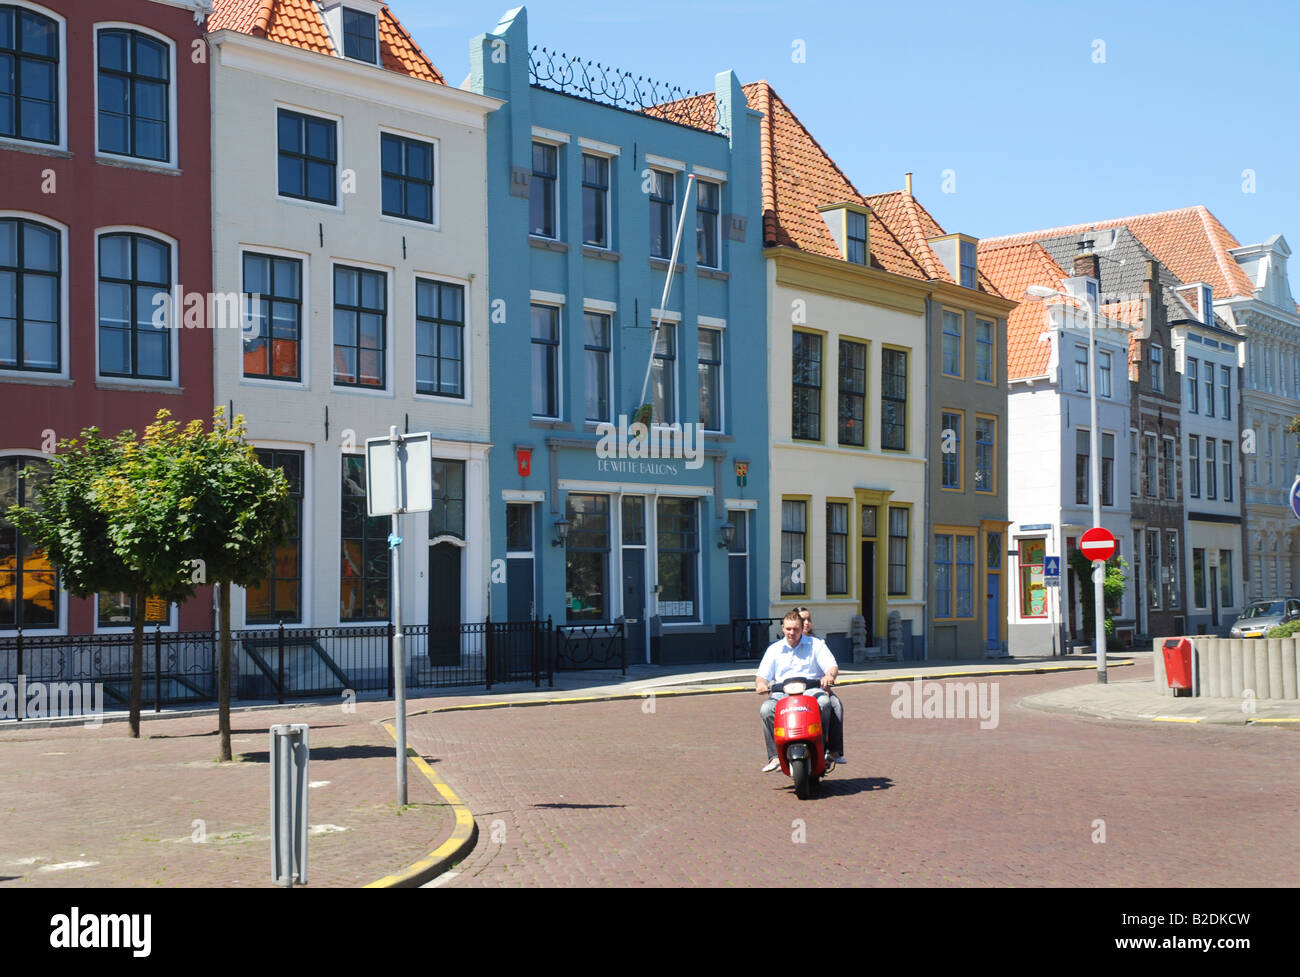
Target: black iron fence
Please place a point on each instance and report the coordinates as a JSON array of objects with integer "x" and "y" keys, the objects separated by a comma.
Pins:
[
  {"x": 751, "y": 636},
  {"x": 591, "y": 646},
  {"x": 282, "y": 663}
]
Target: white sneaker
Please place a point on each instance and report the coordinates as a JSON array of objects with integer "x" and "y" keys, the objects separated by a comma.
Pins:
[{"x": 772, "y": 764}]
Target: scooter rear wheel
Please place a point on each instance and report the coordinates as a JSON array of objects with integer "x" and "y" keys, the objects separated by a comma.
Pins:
[{"x": 802, "y": 781}]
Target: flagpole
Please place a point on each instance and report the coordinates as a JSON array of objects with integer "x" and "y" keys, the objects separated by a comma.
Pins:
[{"x": 668, "y": 284}]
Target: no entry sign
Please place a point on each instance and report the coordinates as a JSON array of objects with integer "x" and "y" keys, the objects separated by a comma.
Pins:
[{"x": 1098, "y": 544}]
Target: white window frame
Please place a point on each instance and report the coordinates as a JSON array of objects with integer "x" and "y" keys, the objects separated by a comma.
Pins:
[
  {"x": 177, "y": 309},
  {"x": 304, "y": 339},
  {"x": 548, "y": 301},
  {"x": 720, "y": 327},
  {"x": 652, "y": 533},
  {"x": 17, "y": 142},
  {"x": 717, "y": 222},
  {"x": 588, "y": 150},
  {"x": 389, "y": 389},
  {"x": 307, "y": 541},
  {"x": 436, "y": 144},
  {"x": 558, "y": 146},
  {"x": 671, "y": 175},
  {"x": 607, "y": 309},
  {"x": 65, "y": 349},
  {"x": 340, "y": 165},
  {"x": 62, "y": 629},
  {"x": 173, "y": 117},
  {"x": 467, "y": 346}
]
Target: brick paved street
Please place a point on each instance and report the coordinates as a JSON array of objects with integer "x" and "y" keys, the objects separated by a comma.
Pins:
[{"x": 609, "y": 794}]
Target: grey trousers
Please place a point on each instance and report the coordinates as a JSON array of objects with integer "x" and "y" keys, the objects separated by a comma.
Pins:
[{"x": 832, "y": 720}]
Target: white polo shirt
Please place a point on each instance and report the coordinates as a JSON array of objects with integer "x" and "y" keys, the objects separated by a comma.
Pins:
[{"x": 810, "y": 657}]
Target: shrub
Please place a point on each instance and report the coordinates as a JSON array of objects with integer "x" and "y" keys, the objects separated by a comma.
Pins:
[{"x": 1285, "y": 630}]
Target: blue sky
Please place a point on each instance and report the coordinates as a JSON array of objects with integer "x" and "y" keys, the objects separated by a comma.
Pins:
[{"x": 1009, "y": 96}]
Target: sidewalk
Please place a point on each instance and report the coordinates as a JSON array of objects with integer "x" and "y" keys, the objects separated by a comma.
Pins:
[{"x": 91, "y": 807}]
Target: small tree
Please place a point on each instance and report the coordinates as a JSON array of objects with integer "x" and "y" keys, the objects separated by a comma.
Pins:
[{"x": 1112, "y": 589}]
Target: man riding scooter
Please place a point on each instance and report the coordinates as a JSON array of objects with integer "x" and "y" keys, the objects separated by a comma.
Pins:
[{"x": 798, "y": 654}]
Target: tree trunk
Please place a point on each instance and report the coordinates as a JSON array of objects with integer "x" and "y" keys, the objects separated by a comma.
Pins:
[
  {"x": 223, "y": 671},
  {"x": 137, "y": 663}
]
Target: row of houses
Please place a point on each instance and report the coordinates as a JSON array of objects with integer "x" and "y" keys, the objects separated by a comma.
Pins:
[{"x": 852, "y": 408}]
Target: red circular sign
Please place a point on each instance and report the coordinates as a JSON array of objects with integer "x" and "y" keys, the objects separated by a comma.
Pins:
[{"x": 1098, "y": 544}]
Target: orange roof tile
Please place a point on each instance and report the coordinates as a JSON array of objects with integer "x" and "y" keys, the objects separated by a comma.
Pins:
[
  {"x": 1012, "y": 269},
  {"x": 301, "y": 24},
  {"x": 1190, "y": 242}
]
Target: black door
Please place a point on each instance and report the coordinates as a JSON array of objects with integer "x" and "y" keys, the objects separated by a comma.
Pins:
[
  {"x": 519, "y": 588},
  {"x": 634, "y": 602},
  {"x": 444, "y": 604},
  {"x": 1214, "y": 597},
  {"x": 869, "y": 589}
]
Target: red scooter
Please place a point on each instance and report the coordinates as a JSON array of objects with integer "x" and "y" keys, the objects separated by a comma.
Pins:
[{"x": 800, "y": 739}]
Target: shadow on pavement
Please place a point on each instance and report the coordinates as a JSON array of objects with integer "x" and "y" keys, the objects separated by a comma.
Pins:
[
  {"x": 577, "y": 806},
  {"x": 330, "y": 753},
  {"x": 837, "y": 787},
  {"x": 255, "y": 731}
]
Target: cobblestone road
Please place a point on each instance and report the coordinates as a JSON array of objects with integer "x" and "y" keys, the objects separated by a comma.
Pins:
[{"x": 670, "y": 793}]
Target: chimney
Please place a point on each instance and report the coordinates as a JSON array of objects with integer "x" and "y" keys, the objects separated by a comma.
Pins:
[
  {"x": 907, "y": 183},
  {"x": 1086, "y": 262}
]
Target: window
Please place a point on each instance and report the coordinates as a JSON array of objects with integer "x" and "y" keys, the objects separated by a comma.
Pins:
[
  {"x": 407, "y": 178},
  {"x": 118, "y": 610},
  {"x": 595, "y": 201},
  {"x": 541, "y": 191},
  {"x": 1225, "y": 390},
  {"x": 134, "y": 95},
  {"x": 893, "y": 399},
  {"x": 30, "y": 296},
  {"x": 546, "y": 360},
  {"x": 29, "y": 75},
  {"x": 1081, "y": 368},
  {"x": 359, "y": 36},
  {"x": 1107, "y": 469},
  {"x": 1132, "y": 462},
  {"x": 439, "y": 338},
  {"x": 1209, "y": 389},
  {"x": 586, "y": 559},
  {"x": 708, "y": 197},
  {"x": 135, "y": 283},
  {"x": 969, "y": 278},
  {"x": 1157, "y": 369},
  {"x": 807, "y": 407},
  {"x": 596, "y": 344},
  {"x": 954, "y": 576},
  {"x": 899, "y": 530},
  {"x": 794, "y": 561},
  {"x": 1033, "y": 586},
  {"x": 1092, "y": 289},
  {"x": 1194, "y": 466},
  {"x": 1193, "y": 385},
  {"x": 308, "y": 156},
  {"x": 1150, "y": 452},
  {"x": 986, "y": 435},
  {"x": 273, "y": 288},
  {"x": 663, "y": 375},
  {"x": 1153, "y": 568},
  {"x": 1198, "y": 577},
  {"x": 1169, "y": 472},
  {"x": 364, "y": 567},
  {"x": 519, "y": 528},
  {"x": 29, "y": 584},
  {"x": 447, "y": 517},
  {"x": 1103, "y": 373},
  {"x": 853, "y": 393},
  {"x": 1211, "y": 470},
  {"x": 837, "y": 548},
  {"x": 360, "y": 333},
  {"x": 1226, "y": 449},
  {"x": 661, "y": 214},
  {"x": 678, "y": 538},
  {"x": 952, "y": 343},
  {"x": 1172, "y": 588},
  {"x": 1225, "y": 579},
  {"x": 985, "y": 354},
  {"x": 953, "y": 475},
  {"x": 710, "y": 378},
  {"x": 1082, "y": 453},
  {"x": 278, "y": 597},
  {"x": 857, "y": 238}
]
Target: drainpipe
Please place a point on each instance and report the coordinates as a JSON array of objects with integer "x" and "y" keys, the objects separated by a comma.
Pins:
[{"x": 927, "y": 628}]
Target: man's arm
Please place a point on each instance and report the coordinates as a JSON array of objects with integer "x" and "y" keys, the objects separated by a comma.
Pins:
[
  {"x": 830, "y": 668},
  {"x": 766, "y": 672}
]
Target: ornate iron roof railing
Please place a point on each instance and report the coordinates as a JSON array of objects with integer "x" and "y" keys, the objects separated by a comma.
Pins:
[{"x": 596, "y": 82}]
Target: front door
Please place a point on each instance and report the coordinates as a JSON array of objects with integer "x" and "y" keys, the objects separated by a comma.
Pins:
[
  {"x": 993, "y": 607},
  {"x": 869, "y": 589},
  {"x": 738, "y": 564},
  {"x": 1214, "y": 597},
  {"x": 634, "y": 560},
  {"x": 444, "y": 604}
]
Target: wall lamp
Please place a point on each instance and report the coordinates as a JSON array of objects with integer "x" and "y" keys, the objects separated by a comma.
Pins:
[
  {"x": 561, "y": 532},
  {"x": 728, "y": 532}
]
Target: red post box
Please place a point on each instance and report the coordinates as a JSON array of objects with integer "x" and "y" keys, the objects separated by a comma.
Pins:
[{"x": 1178, "y": 664}]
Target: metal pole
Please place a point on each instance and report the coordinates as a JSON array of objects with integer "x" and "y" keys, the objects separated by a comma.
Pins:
[
  {"x": 668, "y": 284},
  {"x": 1098, "y": 566},
  {"x": 286, "y": 814},
  {"x": 399, "y": 655},
  {"x": 280, "y": 667},
  {"x": 157, "y": 669}
]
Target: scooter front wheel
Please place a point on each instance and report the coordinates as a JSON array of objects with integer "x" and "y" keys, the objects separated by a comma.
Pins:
[{"x": 802, "y": 780}]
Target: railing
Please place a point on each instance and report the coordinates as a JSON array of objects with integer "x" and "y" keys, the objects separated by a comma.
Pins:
[
  {"x": 570, "y": 75},
  {"x": 591, "y": 646},
  {"x": 751, "y": 636}
]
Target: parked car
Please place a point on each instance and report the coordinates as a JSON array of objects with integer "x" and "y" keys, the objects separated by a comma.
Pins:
[{"x": 1262, "y": 616}]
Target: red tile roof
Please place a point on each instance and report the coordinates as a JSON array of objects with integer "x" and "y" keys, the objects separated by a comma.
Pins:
[
  {"x": 1190, "y": 242},
  {"x": 1012, "y": 269},
  {"x": 301, "y": 24}
]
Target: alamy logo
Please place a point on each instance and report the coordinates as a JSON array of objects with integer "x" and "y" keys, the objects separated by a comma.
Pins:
[
  {"x": 636, "y": 442},
  {"x": 52, "y": 700},
  {"x": 946, "y": 700},
  {"x": 74, "y": 931}
]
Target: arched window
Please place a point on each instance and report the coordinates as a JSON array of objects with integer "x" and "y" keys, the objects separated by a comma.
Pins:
[
  {"x": 134, "y": 95},
  {"x": 30, "y": 268},
  {"x": 135, "y": 281},
  {"x": 29, "y": 585},
  {"x": 29, "y": 75}
]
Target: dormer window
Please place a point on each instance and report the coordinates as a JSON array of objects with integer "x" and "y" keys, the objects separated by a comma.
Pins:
[
  {"x": 360, "y": 36},
  {"x": 968, "y": 276},
  {"x": 1207, "y": 305},
  {"x": 1093, "y": 293},
  {"x": 857, "y": 239},
  {"x": 847, "y": 224}
]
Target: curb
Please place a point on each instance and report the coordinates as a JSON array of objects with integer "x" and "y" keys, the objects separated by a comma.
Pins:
[
  {"x": 717, "y": 689},
  {"x": 462, "y": 841}
]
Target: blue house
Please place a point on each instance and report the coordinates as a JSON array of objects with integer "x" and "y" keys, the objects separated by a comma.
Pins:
[{"x": 606, "y": 520}]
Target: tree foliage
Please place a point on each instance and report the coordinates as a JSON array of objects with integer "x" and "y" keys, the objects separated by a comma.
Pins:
[{"x": 1112, "y": 590}]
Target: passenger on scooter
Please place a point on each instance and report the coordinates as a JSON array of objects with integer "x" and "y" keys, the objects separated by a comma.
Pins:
[
  {"x": 834, "y": 746},
  {"x": 797, "y": 655}
]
